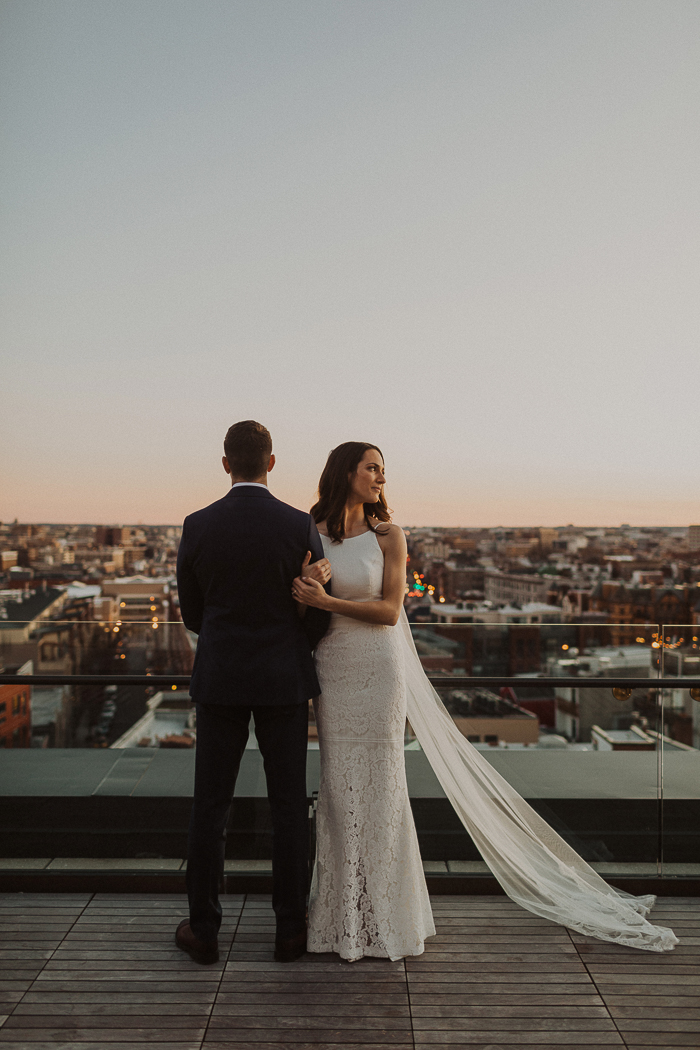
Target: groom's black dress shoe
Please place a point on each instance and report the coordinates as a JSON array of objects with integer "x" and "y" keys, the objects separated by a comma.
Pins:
[
  {"x": 290, "y": 948},
  {"x": 204, "y": 952}
]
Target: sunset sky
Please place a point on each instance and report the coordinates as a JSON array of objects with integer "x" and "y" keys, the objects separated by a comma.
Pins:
[{"x": 467, "y": 231}]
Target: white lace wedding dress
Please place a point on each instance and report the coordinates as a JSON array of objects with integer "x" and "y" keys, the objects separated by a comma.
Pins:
[{"x": 368, "y": 893}]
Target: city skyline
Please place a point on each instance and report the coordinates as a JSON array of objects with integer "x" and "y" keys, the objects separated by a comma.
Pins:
[{"x": 464, "y": 231}]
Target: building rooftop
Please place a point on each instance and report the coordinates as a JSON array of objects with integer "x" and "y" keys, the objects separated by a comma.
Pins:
[{"x": 29, "y": 608}]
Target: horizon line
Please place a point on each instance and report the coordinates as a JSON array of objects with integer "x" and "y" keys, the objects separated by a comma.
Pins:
[{"x": 171, "y": 525}]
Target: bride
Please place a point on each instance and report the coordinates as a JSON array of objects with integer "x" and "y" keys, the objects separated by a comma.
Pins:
[{"x": 368, "y": 892}]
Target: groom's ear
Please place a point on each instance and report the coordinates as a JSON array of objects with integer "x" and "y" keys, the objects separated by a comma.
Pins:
[
  {"x": 271, "y": 463},
  {"x": 225, "y": 462}
]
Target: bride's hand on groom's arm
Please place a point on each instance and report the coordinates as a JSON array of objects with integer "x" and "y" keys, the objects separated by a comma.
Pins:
[
  {"x": 310, "y": 592},
  {"x": 319, "y": 571}
]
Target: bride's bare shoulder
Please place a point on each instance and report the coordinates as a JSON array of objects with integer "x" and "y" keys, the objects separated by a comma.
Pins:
[
  {"x": 322, "y": 528},
  {"x": 392, "y": 535}
]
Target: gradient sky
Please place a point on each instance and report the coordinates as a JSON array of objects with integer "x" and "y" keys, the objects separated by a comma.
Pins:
[{"x": 467, "y": 231}]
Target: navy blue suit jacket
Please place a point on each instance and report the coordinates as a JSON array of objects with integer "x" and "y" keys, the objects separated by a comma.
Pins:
[{"x": 235, "y": 567}]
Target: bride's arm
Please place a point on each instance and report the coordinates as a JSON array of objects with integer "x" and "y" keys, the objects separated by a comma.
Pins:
[{"x": 386, "y": 611}]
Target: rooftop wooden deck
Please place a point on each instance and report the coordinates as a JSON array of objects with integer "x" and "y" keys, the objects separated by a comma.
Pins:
[{"x": 101, "y": 972}]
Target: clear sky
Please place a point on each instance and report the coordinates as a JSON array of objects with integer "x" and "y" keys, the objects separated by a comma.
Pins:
[{"x": 467, "y": 231}]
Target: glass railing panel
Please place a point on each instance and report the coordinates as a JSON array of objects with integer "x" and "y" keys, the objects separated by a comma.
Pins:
[
  {"x": 583, "y": 755},
  {"x": 101, "y": 771},
  {"x": 679, "y": 772},
  {"x": 92, "y": 714}
]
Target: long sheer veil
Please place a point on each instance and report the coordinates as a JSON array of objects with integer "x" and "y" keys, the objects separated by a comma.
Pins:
[{"x": 535, "y": 867}]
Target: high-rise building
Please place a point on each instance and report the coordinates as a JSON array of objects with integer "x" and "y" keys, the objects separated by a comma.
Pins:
[{"x": 694, "y": 537}]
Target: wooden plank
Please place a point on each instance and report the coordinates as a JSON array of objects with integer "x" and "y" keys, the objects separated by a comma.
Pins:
[
  {"x": 92, "y": 980},
  {"x": 665, "y": 1040},
  {"x": 117, "y": 987},
  {"x": 656, "y": 1024},
  {"x": 428, "y": 975},
  {"x": 635, "y": 1003},
  {"x": 84, "y": 936},
  {"x": 178, "y": 968},
  {"x": 323, "y": 1010},
  {"x": 513, "y": 1024},
  {"x": 608, "y": 951},
  {"x": 285, "y": 1041},
  {"x": 31, "y": 941},
  {"x": 455, "y": 963},
  {"x": 509, "y": 946},
  {"x": 121, "y": 914},
  {"x": 14, "y": 895},
  {"x": 285, "y": 1037},
  {"x": 163, "y": 898},
  {"x": 115, "y": 1006},
  {"x": 24, "y": 954},
  {"x": 285, "y": 977},
  {"x": 497, "y": 1010},
  {"x": 35, "y": 917},
  {"x": 497, "y": 1038},
  {"x": 610, "y": 980},
  {"x": 604, "y": 973},
  {"x": 653, "y": 1014},
  {"x": 48, "y": 930},
  {"x": 86, "y": 920},
  {"x": 54, "y": 910},
  {"x": 487, "y": 1000},
  {"x": 199, "y": 995},
  {"x": 281, "y": 1021},
  {"x": 189, "y": 1027},
  {"x": 122, "y": 954},
  {"x": 499, "y": 935},
  {"x": 312, "y": 995},
  {"x": 364, "y": 969},
  {"x": 65, "y": 1040},
  {"x": 16, "y": 973}
]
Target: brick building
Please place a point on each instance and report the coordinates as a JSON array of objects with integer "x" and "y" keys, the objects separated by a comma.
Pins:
[
  {"x": 625, "y": 604},
  {"x": 15, "y": 714}
]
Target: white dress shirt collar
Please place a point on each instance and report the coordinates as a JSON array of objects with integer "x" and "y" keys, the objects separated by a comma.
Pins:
[{"x": 252, "y": 484}]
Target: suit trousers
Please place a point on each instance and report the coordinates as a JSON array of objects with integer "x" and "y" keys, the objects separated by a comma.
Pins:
[{"x": 222, "y": 732}]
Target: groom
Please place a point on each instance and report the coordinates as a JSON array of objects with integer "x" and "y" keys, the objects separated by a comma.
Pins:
[{"x": 235, "y": 567}]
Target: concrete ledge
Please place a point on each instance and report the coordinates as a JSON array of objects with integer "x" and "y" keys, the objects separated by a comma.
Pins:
[
  {"x": 608, "y": 869},
  {"x": 466, "y": 867},
  {"x": 115, "y": 864},
  {"x": 24, "y": 863},
  {"x": 460, "y": 878},
  {"x": 233, "y": 867},
  {"x": 160, "y": 773}
]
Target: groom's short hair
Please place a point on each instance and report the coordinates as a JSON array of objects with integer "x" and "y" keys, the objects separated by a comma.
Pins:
[{"x": 248, "y": 447}]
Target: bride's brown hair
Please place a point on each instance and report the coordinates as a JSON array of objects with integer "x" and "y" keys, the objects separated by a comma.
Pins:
[{"x": 334, "y": 488}]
